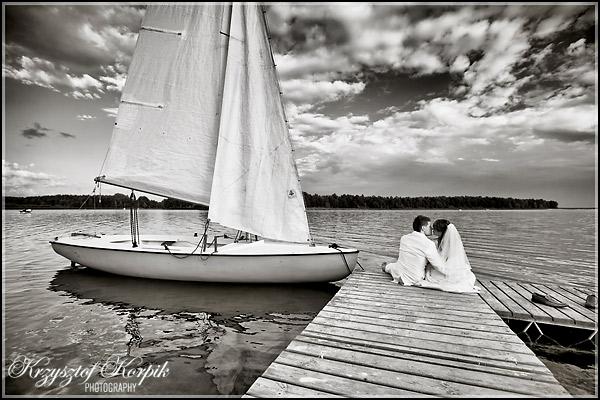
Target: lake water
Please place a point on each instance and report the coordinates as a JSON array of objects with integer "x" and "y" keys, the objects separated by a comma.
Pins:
[{"x": 193, "y": 338}]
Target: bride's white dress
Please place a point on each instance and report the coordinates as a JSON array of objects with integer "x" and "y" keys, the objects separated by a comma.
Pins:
[{"x": 460, "y": 278}]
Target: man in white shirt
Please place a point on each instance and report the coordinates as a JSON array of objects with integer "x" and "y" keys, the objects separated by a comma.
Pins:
[{"x": 415, "y": 251}]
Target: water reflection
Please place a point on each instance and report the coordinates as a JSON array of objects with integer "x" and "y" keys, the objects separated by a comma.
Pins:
[
  {"x": 218, "y": 337},
  {"x": 224, "y": 300}
]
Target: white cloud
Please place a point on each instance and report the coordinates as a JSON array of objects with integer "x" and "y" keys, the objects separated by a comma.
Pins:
[
  {"x": 439, "y": 132},
  {"x": 506, "y": 48},
  {"x": 539, "y": 57},
  {"x": 18, "y": 180},
  {"x": 114, "y": 83},
  {"x": 304, "y": 91},
  {"x": 552, "y": 25},
  {"x": 316, "y": 64},
  {"x": 84, "y": 82},
  {"x": 577, "y": 48},
  {"x": 111, "y": 112},
  {"x": 85, "y": 117},
  {"x": 34, "y": 71},
  {"x": 80, "y": 51},
  {"x": 460, "y": 64},
  {"x": 44, "y": 73},
  {"x": 425, "y": 62}
]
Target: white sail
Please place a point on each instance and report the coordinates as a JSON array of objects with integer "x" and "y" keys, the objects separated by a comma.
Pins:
[
  {"x": 256, "y": 186},
  {"x": 165, "y": 137}
]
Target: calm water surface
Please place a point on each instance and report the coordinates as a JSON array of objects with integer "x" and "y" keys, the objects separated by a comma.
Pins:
[{"x": 213, "y": 338}]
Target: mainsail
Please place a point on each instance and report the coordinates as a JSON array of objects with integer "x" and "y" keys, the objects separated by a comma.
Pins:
[
  {"x": 201, "y": 120},
  {"x": 165, "y": 137}
]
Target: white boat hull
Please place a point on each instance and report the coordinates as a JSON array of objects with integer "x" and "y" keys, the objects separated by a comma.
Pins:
[{"x": 257, "y": 262}]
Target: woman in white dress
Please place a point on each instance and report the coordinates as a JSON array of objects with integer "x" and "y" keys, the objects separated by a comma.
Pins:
[{"x": 460, "y": 278}]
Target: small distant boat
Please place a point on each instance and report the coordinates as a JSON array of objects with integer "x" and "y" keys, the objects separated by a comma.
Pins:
[{"x": 26, "y": 211}]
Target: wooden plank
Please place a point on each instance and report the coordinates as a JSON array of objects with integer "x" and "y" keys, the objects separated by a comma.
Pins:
[
  {"x": 515, "y": 310},
  {"x": 350, "y": 301},
  {"x": 556, "y": 313},
  {"x": 427, "y": 321},
  {"x": 429, "y": 336},
  {"x": 440, "y": 356},
  {"x": 575, "y": 297},
  {"x": 581, "y": 313},
  {"x": 391, "y": 287},
  {"x": 535, "y": 312},
  {"x": 578, "y": 303},
  {"x": 428, "y": 296},
  {"x": 493, "y": 302},
  {"x": 376, "y": 302},
  {"x": 424, "y": 318},
  {"x": 568, "y": 311},
  {"x": 421, "y": 299},
  {"x": 454, "y": 331},
  {"x": 393, "y": 379},
  {"x": 264, "y": 387},
  {"x": 556, "y": 316},
  {"x": 581, "y": 294},
  {"x": 410, "y": 291},
  {"x": 374, "y": 276},
  {"x": 332, "y": 383},
  {"x": 474, "y": 304},
  {"x": 438, "y": 378},
  {"x": 455, "y": 349},
  {"x": 584, "y": 316},
  {"x": 418, "y": 313},
  {"x": 415, "y": 291},
  {"x": 429, "y": 357}
]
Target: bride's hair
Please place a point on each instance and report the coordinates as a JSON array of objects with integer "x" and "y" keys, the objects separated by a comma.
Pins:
[{"x": 441, "y": 225}]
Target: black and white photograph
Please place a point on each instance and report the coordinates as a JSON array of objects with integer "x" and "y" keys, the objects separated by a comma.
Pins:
[{"x": 234, "y": 199}]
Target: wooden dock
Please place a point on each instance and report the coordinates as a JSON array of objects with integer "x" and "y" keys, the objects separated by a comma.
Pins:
[
  {"x": 512, "y": 300},
  {"x": 376, "y": 338}
]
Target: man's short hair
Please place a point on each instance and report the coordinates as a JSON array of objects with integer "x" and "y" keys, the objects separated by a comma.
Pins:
[{"x": 420, "y": 222}]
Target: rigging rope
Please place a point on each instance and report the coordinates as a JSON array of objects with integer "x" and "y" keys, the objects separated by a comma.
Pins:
[
  {"x": 89, "y": 195},
  {"x": 336, "y": 247},
  {"x": 203, "y": 237},
  {"x": 133, "y": 220}
]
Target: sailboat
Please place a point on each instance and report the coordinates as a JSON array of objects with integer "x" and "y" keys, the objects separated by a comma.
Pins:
[{"x": 201, "y": 119}]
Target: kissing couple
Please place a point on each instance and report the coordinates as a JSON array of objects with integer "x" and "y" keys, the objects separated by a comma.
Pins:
[{"x": 441, "y": 265}]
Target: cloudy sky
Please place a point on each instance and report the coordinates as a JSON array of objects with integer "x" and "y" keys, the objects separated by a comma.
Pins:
[{"x": 403, "y": 100}]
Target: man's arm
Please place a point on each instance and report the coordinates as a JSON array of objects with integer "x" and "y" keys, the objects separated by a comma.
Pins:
[{"x": 435, "y": 259}]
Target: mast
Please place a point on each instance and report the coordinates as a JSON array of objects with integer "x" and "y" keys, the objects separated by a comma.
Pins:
[
  {"x": 227, "y": 32},
  {"x": 264, "y": 18}
]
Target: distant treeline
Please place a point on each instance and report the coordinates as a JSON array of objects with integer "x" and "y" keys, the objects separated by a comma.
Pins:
[
  {"x": 311, "y": 201},
  {"x": 389, "y": 203},
  {"x": 105, "y": 201}
]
